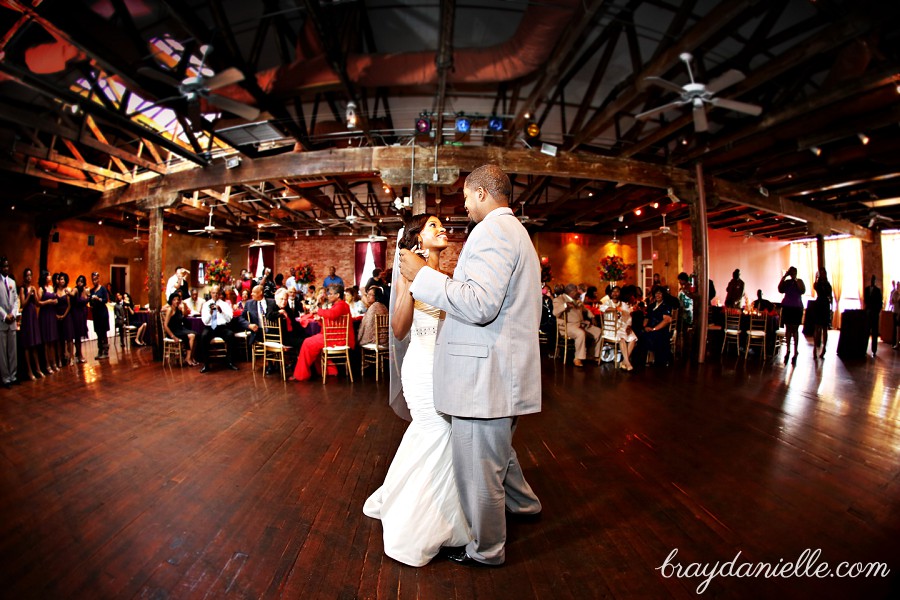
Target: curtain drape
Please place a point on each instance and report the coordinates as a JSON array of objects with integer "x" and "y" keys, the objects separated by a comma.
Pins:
[
  {"x": 890, "y": 250},
  {"x": 259, "y": 258},
  {"x": 843, "y": 262},
  {"x": 368, "y": 255}
]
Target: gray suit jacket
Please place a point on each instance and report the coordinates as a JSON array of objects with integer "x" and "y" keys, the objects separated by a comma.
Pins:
[
  {"x": 9, "y": 304},
  {"x": 487, "y": 360}
]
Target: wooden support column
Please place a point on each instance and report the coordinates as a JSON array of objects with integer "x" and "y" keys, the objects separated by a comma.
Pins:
[
  {"x": 419, "y": 198},
  {"x": 700, "y": 247},
  {"x": 154, "y": 276}
]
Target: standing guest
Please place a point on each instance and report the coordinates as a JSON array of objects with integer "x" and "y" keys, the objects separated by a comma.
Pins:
[
  {"x": 279, "y": 282},
  {"x": 312, "y": 346},
  {"x": 65, "y": 347},
  {"x": 80, "y": 299},
  {"x": 485, "y": 357},
  {"x": 895, "y": 308},
  {"x": 291, "y": 281},
  {"x": 874, "y": 301},
  {"x": 119, "y": 315},
  {"x": 177, "y": 281},
  {"x": 375, "y": 279},
  {"x": 791, "y": 310},
  {"x": 241, "y": 304},
  {"x": 47, "y": 319},
  {"x": 332, "y": 279},
  {"x": 216, "y": 315},
  {"x": 357, "y": 306},
  {"x": 821, "y": 310},
  {"x": 9, "y": 310},
  {"x": 31, "y": 329},
  {"x": 267, "y": 284},
  {"x": 99, "y": 298},
  {"x": 685, "y": 301},
  {"x": 734, "y": 291}
]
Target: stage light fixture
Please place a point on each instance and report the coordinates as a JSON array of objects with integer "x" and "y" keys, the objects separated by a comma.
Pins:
[
  {"x": 463, "y": 125},
  {"x": 495, "y": 124},
  {"x": 638, "y": 212},
  {"x": 423, "y": 124},
  {"x": 533, "y": 130},
  {"x": 863, "y": 138},
  {"x": 816, "y": 150}
]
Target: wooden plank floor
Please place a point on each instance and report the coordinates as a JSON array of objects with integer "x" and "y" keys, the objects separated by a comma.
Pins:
[{"x": 127, "y": 480}]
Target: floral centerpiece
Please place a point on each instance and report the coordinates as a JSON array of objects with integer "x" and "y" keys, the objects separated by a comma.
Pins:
[
  {"x": 304, "y": 273},
  {"x": 218, "y": 272},
  {"x": 612, "y": 268}
]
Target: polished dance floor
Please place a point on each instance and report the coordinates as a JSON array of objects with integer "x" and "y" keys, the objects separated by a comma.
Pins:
[{"x": 128, "y": 480}]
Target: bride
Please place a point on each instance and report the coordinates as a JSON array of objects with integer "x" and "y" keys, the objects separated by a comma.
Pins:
[{"x": 418, "y": 504}]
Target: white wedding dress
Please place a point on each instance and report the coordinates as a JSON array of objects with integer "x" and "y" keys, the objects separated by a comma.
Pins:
[{"x": 418, "y": 504}]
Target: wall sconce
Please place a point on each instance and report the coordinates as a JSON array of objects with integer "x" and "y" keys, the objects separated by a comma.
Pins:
[
  {"x": 350, "y": 115},
  {"x": 463, "y": 124},
  {"x": 423, "y": 124}
]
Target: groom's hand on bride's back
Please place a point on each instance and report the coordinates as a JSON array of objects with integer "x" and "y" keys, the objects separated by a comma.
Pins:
[{"x": 410, "y": 263}]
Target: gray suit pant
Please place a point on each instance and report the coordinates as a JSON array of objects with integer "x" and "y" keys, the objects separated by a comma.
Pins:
[
  {"x": 8, "y": 355},
  {"x": 490, "y": 482}
]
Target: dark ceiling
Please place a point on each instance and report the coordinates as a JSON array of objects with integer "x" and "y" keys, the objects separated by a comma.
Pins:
[{"x": 81, "y": 80}]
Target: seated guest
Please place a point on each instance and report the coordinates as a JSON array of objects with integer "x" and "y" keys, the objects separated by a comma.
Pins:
[
  {"x": 119, "y": 317},
  {"x": 624, "y": 332},
  {"x": 655, "y": 337},
  {"x": 310, "y": 301},
  {"x": 568, "y": 307},
  {"x": 290, "y": 329},
  {"x": 173, "y": 324},
  {"x": 242, "y": 302},
  {"x": 375, "y": 280},
  {"x": 375, "y": 298},
  {"x": 761, "y": 304},
  {"x": 312, "y": 346},
  {"x": 357, "y": 306},
  {"x": 256, "y": 310},
  {"x": 193, "y": 304},
  {"x": 132, "y": 319},
  {"x": 216, "y": 315}
]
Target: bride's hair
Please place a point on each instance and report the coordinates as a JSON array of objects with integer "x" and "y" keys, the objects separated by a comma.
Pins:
[{"x": 412, "y": 228}]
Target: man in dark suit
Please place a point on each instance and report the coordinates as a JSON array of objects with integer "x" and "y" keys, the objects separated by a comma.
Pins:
[
  {"x": 874, "y": 302},
  {"x": 257, "y": 309}
]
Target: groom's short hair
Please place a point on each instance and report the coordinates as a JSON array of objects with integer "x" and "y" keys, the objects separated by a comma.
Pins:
[{"x": 494, "y": 181}]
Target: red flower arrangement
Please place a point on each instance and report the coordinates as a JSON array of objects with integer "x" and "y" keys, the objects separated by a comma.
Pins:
[
  {"x": 218, "y": 271},
  {"x": 304, "y": 273},
  {"x": 612, "y": 268}
]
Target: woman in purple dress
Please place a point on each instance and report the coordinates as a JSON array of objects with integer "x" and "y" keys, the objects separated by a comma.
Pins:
[
  {"x": 66, "y": 348},
  {"x": 47, "y": 320},
  {"x": 30, "y": 329},
  {"x": 79, "y": 315}
]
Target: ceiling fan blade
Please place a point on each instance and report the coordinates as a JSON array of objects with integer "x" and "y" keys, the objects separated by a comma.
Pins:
[
  {"x": 158, "y": 76},
  {"x": 660, "y": 82},
  {"x": 741, "y": 107},
  {"x": 226, "y": 77},
  {"x": 248, "y": 113},
  {"x": 700, "y": 122},
  {"x": 726, "y": 79},
  {"x": 659, "y": 109}
]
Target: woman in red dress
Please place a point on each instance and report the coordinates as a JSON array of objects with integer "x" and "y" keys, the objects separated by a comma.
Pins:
[{"x": 312, "y": 346}]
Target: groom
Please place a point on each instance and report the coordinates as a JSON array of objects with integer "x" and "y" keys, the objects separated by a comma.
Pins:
[{"x": 489, "y": 345}]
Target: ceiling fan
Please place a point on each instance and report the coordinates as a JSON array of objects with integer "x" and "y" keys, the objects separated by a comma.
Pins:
[
  {"x": 137, "y": 239},
  {"x": 698, "y": 95},
  {"x": 193, "y": 88},
  {"x": 526, "y": 220},
  {"x": 615, "y": 238},
  {"x": 665, "y": 229},
  {"x": 259, "y": 242},
  {"x": 877, "y": 216},
  {"x": 352, "y": 219},
  {"x": 210, "y": 229},
  {"x": 747, "y": 235}
]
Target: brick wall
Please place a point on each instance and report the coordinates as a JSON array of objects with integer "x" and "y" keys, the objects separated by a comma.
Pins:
[{"x": 338, "y": 251}]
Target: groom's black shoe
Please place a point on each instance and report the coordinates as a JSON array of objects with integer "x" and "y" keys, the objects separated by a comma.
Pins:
[
  {"x": 459, "y": 556},
  {"x": 523, "y": 517}
]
